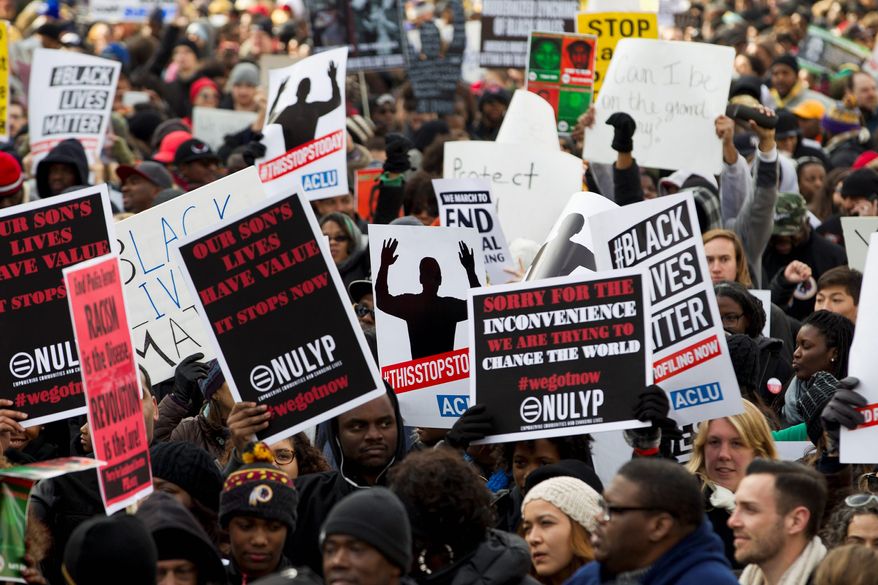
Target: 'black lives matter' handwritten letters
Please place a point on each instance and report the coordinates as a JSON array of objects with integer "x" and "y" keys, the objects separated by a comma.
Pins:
[
  {"x": 277, "y": 311},
  {"x": 39, "y": 365},
  {"x": 560, "y": 356},
  {"x": 690, "y": 356}
]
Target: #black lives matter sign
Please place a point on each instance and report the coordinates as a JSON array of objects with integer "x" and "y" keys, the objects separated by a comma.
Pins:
[
  {"x": 39, "y": 365},
  {"x": 279, "y": 316},
  {"x": 561, "y": 356}
]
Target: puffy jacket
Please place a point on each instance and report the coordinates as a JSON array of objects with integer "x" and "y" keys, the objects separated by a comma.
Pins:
[
  {"x": 501, "y": 559},
  {"x": 697, "y": 559},
  {"x": 69, "y": 152},
  {"x": 174, "y": 425},
  {"x": 319, "y": 492}
]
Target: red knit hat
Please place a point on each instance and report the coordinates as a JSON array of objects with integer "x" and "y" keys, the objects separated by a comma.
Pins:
[
  {"x": 11, "y": 177},
  {"x": 864, "y": 159},
  {"x": 200, "y": 84},
  {"x": 169, "y": 146}
]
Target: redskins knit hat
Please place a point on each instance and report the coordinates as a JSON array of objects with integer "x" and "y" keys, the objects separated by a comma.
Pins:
[
  {"x": 259, "y": 489},
  {"x": 11, "y": 177},
  {"x": 572, "y": 496}
]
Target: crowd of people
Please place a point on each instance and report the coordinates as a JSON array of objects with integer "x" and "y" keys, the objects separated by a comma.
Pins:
[{"x": 365, "y": 499}]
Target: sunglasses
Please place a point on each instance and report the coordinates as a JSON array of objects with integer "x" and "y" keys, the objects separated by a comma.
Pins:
[
  {"x": 860, "y": 500},
  {"x": 341, "y": 239}
]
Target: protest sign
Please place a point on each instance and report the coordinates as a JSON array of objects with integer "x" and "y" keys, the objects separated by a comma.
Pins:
[
  {"x": 130, "y": 11},
  {"x": 420, "y": 279},
  {"x": 39, "y": 366},
  {"x": 857, "y": 231},
  {"x": 764, "y": 297},
  {"x": 304, "y": 132},
  {"x": 4, "y": 81},
  {"x": 674, "y": 91},
  {"x": 690, "y": 356},
  {"x": 619, "y": 5},
  {"x": 531, "y": 186},
  {"x": 111, "y": 380},
  {"x": 568, "y": 248},
  {"x": 15, "y": 486},
  {"x": 560, "y": 69},
  {"x": 610, "y": 28},
  {"x": 366, "y": 191},
  {"x": 434, "y": 73},
  {"x": 212, "y": 124},
  {"x": 70, "y": 96},
  {"x": 372, "y": 31},
  {"x": 561, "y": 356},
  {"x": 270, "y": 62},
  {"x": 468, "y": 203},
  {"x": 824, "y": 52},
  {"x": 266, "y": 271},
  {"x": 858, "y": 445},
  {"x": 506, "y": 25},
  {"x": 529, "y": 120},
  {"x": 162, "y": 315}
]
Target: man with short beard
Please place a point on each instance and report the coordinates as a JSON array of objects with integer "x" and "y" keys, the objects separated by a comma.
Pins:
[{"x": 778, "y": 508}]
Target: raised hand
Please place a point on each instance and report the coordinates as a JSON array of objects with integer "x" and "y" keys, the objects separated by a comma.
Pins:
[
  {"x": 388, "y": 252},
  {"x": 333, "y": 69},
  {"x": 245, "y": 420},
  {"x": 467, "y": 257}
]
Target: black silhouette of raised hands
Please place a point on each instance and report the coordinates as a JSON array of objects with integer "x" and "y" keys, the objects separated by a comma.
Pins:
[
  {"x": 467, "y": 257},
  {"x": 333, "y": 69},
  {"x": 388, "y": 252}
]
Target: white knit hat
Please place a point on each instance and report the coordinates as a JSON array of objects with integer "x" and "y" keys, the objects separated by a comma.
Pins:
[{"x": 572, "y": 496}]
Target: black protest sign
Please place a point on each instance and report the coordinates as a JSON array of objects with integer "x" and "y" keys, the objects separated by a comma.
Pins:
[
  {"x": 506, "y": 25},
  {"x": 39, "y": 365},
  {"x": 434, "y": 73},
  {"x": 559, "y": 357},
  {"x": 372, "y": 31},
  {"x": 279, "y": 316}
]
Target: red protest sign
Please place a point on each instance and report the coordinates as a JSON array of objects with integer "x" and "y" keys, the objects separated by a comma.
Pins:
[
  {"x": 111, "y": 380},
  {"x": 366, "y": 191}
]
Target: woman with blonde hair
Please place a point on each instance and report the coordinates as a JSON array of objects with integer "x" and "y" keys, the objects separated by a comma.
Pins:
[
  {"x": 852, "y": 564},
  {"x": 721, "y": 452},
  {"x": 558, "y": 516}
]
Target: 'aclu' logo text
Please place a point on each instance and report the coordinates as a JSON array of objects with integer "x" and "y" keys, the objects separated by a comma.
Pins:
[
  {"x": 320, "y": 180},
  {"x": 562, "y": 406},
  {"x": 696, "y": 395},
  {"x": 452, "y": 405},
  {"x": 294, "y": 364},
  {"x": 48, "y": 359}
]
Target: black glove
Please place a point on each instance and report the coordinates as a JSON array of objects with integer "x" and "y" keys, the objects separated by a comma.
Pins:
[
  {"x": 186, "y": 378},
  {"x": 474, "y": 424},
  {"x": 653, "y": 406},
  {"x": 842, "y": 409},
  {"x": 624, "y": 127},
  {"x": 397, "y": 149},
  {"x": 253, "y": 150}
]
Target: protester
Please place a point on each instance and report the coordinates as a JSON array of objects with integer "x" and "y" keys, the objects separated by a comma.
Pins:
[
  {"x": 360, "y": 546},
  {"x": 348, "y": 246},
  {"x": 117, "y": 549},
  {"x": 778, "y": 509},
  {"x": 652, "y": 530},
  {"x": 141, "y": 184},
  {"x": 65, "y": 166},
  {"x": 196, "y": 164},
  {"x": 838, "y": 291},
  {"x": 847, "y": 565},
  {"x": 854, "y": 521},
  {"x": 558, "y": 517}
]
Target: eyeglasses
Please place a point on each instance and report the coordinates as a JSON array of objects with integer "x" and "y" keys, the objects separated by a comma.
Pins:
[
  {"x": 860, "y": 500},
  {"x": 868, "y": 482},
  {"x": 363, "y": 311},
  {"x": 731, "y": 318},
  {"x": 608, "y": 511},
  {"x": 342, "y": 239},
  {"x": 284, "y": 456}
]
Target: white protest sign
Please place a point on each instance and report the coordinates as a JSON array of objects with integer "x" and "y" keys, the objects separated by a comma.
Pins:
[
  {"x": 531, "y": 185},
  {"x": 304, "y": 132},
  {"x": 568, "y": 248},
  {"x": 129, "y": 11},
  {"x": 690, "y": 356},
  {"x": 70, "y": 96},
  {"x": 858, "y": 445},
  {"x": 857, "y": 231},
  {"x": 674, "y": 91},
  {"x": 421, "y": 277},
  {"x": 162, "y": 314},
  {"x": 467, "y": 203},
  {"x": 530, "y": 120},
  {"x": 212, "y": 124}
]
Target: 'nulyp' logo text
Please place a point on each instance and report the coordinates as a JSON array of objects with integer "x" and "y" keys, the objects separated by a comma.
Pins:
[
  {"x": 562, "y": 406},
  {"x": 293, "y": 364},
  {"x": 43, "y": 360},
  {"x": 695, "y": 396},
  {"x": 320, "y": 180}
]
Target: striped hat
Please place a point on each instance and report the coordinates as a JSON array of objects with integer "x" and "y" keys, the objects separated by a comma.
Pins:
[{"x": 11, "y": 177}]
